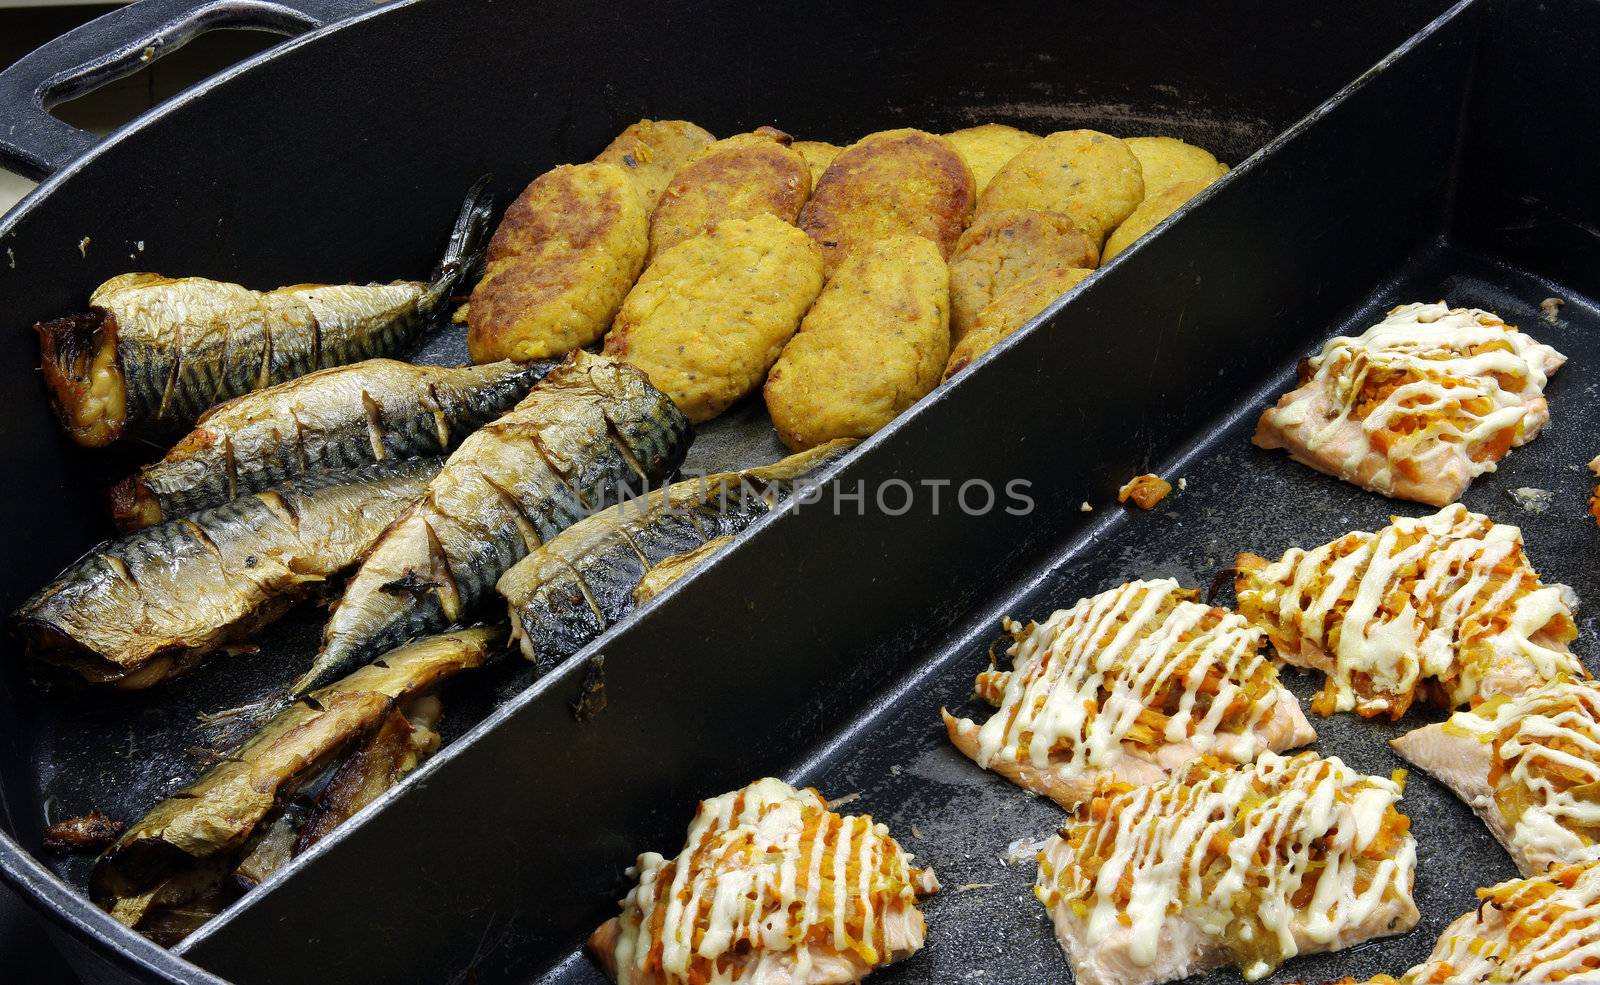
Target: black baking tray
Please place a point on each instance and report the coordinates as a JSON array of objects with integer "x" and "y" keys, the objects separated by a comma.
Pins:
[{"x": 821, "y": 648}]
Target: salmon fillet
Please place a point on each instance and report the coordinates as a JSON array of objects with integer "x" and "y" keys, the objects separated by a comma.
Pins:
[
  {"x": 1444, "y": 605},
  {"x": 1245, "y": 866},
  {"x": 1128, "y": 685},
  {"x": 1545, "y": 929},
  {"x": 1418, "y": 406},
  {"x": 771, "y": 888},
  {"x": 1529, "y": 766}
]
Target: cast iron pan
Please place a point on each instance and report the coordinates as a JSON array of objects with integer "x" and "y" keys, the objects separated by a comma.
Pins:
[{"x": 340, "y": 156}]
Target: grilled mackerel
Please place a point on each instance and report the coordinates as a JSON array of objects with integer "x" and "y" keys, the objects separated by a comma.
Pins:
[
  {"x": 674, "y": 568},
  {"x": 194, "y": 839},
  {"x": 576, "y": 586},
  {"x": 404, "y": 740},
  {"x": 153, "y": 352},
  {"x": 589, "y": 434},
  {"x": 335, "y": 419},
  {"x": 152, "y": 604}
]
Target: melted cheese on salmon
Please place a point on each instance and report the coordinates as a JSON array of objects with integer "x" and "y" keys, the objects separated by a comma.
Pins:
[
  {"x": 1419, "y": 404},
  {"x": 768, "y": 873},
  {"x": 1263, "y": 861},
  {"x": 1130, "y": 669},
  {"x": 1544, "y": 929},
  {"x": 1448, "y": 598}
]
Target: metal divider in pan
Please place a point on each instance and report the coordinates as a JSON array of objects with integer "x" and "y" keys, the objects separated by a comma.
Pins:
[{"x": 510, "y": 845}]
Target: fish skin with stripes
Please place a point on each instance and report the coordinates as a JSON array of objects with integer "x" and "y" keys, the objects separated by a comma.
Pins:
[
  {"x": 592, "y": 432},
  {"x": 153, "y": 604},
  {"x": 331, "y": 420},
  {"x": 153, "y": 353}
]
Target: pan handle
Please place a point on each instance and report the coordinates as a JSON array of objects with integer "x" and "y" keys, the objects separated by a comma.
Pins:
[{"x": 34, "y": 144}]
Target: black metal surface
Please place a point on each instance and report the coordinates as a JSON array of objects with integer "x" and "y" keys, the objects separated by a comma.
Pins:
[
  {"x": 30, "y": 958},
  {"x": 115, "y": 45},
  {"x": 341, "y": 156}
]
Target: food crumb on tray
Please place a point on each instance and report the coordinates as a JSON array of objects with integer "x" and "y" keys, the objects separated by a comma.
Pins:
[
  {"x": 89, "y": 832},
  {"x": 1531, "y": 499},
  {"x": 1145, "y": 490},
  {"x": 1552, "y": 309}
]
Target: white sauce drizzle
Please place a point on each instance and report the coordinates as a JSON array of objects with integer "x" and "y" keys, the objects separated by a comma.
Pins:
[
  {"x": 1081, "y": 678},
  {"x": 1560, "y": 924},
  {"x": 1425, "y": 603},
  {"x": 750, "y": 874},
  {"x": 1302, "y": 812},
  {"x": 1447, "y": 357},
  {"x": 1552, "y": 728}
]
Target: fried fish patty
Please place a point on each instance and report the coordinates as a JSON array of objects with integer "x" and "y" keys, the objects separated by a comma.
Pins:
[
  {"x": 818, "y": 154},
  {"x": 653, "y": 150},
  {"x": 1151, "y": 212},
  {"x": 885, "y": 184},
  {"x": 1010, "y": 311},
  {"x": 1165, "y": 161},
  {"x": 986, "y": 148},
  {"x": 1004, "y": 247},
  {"x": 559, "y": 265},
  {"x": 711, "y": 315},
  {"x": 744, "y": 175},
  {"x": 872, "y": 345},
  {"x": 1091, "y": 176}
]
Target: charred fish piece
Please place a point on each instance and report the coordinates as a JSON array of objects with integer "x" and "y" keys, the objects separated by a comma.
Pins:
[
  {"x": 589, "y": 434},
  {"x": 152, "y": 604},
  {"x": 582, "y": 582},
  {"x": 402, "y": 743},
  {"x": 404, "y": 740},
  {"x": 269, "y": 849},
  {"x": 209, "y": 823},
  {"x": 155, "y": 352},
  {"x": 340, "y": 418}
]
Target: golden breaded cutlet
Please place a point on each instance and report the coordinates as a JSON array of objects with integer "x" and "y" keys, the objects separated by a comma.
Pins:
[
  {"x": 1165, "y": 161},
  {"x": 653, "y": 150},
  {"x": 710, "y": 316},
  {"x": 741, "y": 176},
  {"x": 559, "y": 265},
  {"x": 988, "y": 147},
  {"x": 1151, "y": 212},
  {"x": 818, "y": 154},
  {"x": 873, "y": 344},
  {"x": 1010, "y": 311},
  {"x": 1004, "y": 247},
  {"x": 886, "y": 184},
  {"x": 1091, "y": 176}
]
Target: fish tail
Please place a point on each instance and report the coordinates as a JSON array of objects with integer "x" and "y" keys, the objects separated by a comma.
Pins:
[
  {"x": 226, "y": 730},
  {"x": 334, "y": 659},
  {"x": 468, "y": 241}
]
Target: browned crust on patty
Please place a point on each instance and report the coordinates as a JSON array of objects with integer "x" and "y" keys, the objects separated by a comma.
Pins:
[
  {"x": 888, "y": 183},
  {"x": 652, "y": 151},
  {"x": 559, "y": 264},
  {"x": 743, "y": 176},
  {"x": 559, "y": 206}
]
